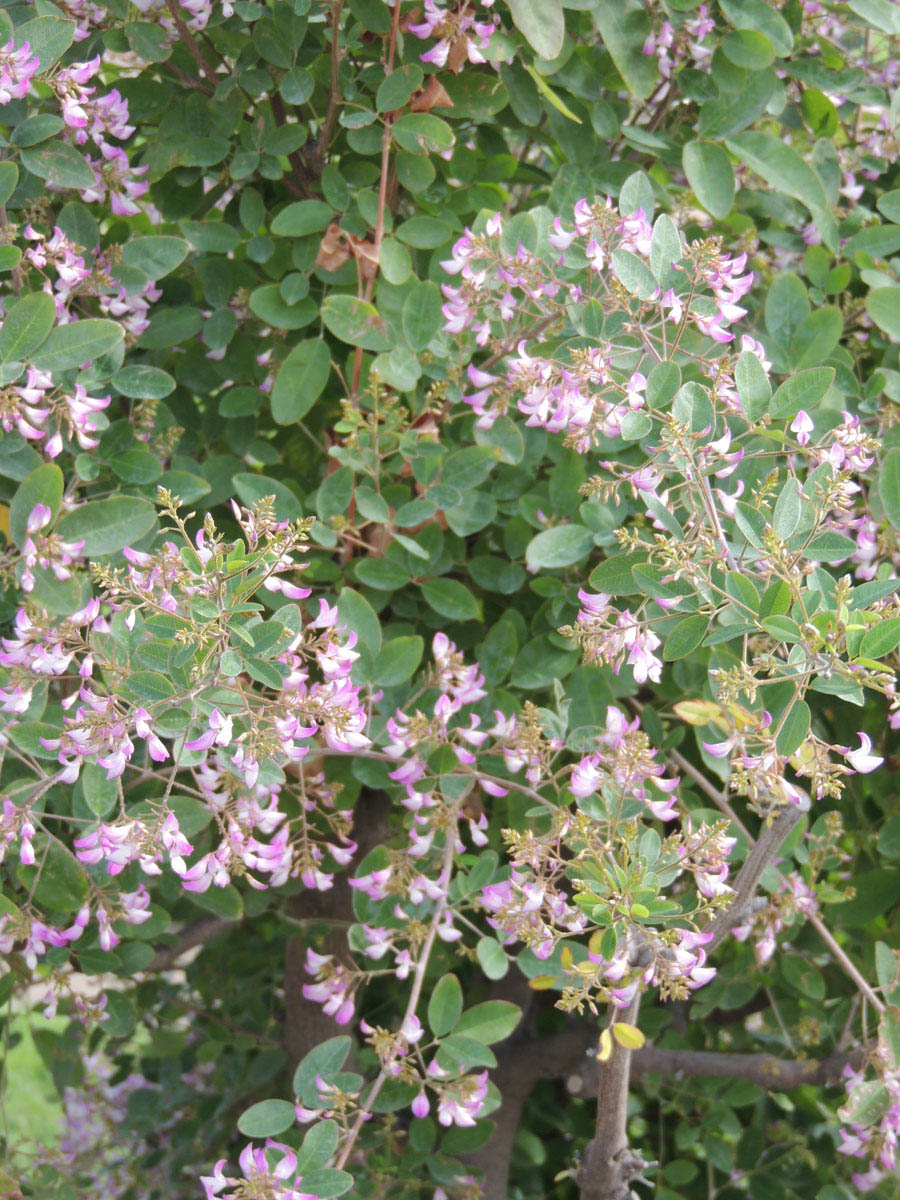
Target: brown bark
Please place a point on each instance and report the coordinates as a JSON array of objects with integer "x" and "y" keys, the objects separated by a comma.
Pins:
[
  {"x": 521, "y": 1064},
  {"x": 608, "y": 1166},
  {"x": 763, "y": 1069}
]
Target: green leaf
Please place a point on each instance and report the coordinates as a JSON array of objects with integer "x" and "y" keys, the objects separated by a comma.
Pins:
[
  {"x": 740, "y": 588},
  {"x": 171, "y": 327},
  {"x": 266, "y": 1119},
  {"x": 624, "y": 26},
  {"x": 108, "y": 525},
  {"x": 492, "y": 958},
  {"x": 880, "y": 639},
  {"x": 318, "y": 1146},
  {"x": 445, "y": 1005},
  {"x": 359, "y": 614},
  {"x": 788, "y": 508},
  {"x": 542, "y": 24},
  {"x": 779, "y": 165},
  {"x": 36, "y": 129},
  {"x": 300, "y": 381},
  {"x": 397, "y": 660},
  {"x": 422, "y": 317},
  {"x": 761, "y": 17},
  {"x": 269, "y": 305},
  {"x": 794, "y": 729},
  {"x": 44, "y": 485},
  {"x": 60, "y": 165},
  {"x": 141, "y": 382},
  {"x": 156, "y": 255},
  {"x": 149, "y": 686},
  {"x": 357, "y": 322},
  {"x": 26, "y": 326},
  {"x": 802, "y": 391},
  {"x": 559, "y": 547},
  {"x": 665, "y": 249},
  {"x": 100, "y": 794},
  {"x": 816, "y": 336},
  {"x": 78, "y": 343},
  {"x": 883, "y": 306},
  {"x": 614, "y": 575},
  {"x": 302, "y": 218},
  {"x": 331, "y": 1182},
  {"x": 324, "y": 1060},
  {"x": 867, "y": 1102},
  {"x": 708, "y": 171},
  {"x": 754, "y": 389},
  {"x": 505, "y": 437},
  {"x": 423, "y": 233},
  {"x": 830, "y": 547},
  {"x": 634, "y": 274},
  {"x": 60, "y": 883},
  {"x": 880, "y": 14},
  {"x": 888, "y": 204},
  {"x": 489, "y": 1022},
  {"x": 889, "y": 485},
  {"x": 685, "y": 637},
  {"x": 9, "y": 177},
  {"x": 748, "y": 49},
  {"x": 548, "y": 93},
  {"x": 47, "y": 37},
  {"x": 395, "y": 89},
  {"x": 451, "y": 599},
  {"x": 889, "y": 1037}
]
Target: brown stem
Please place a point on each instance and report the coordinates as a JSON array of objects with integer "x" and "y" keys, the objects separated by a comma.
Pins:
[
  {"x": 186, "y": 36},
  {"x": 334, "y": 97},
  {"x": 295, "y": 158}
]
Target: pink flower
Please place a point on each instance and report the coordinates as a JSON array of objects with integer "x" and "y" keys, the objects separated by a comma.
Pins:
[
  {"x": 802, "y": 425},
  {"x": 862, "y": 760}
]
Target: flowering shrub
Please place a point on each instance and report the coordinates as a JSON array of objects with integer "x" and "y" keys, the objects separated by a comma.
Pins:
[{"x": 450, "y": 484}]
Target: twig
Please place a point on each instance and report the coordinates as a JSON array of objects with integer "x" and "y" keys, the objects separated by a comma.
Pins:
[
  {"x": 334, "y": 97},
  {"x": 185, "y": 34},
  {"x": 415, "y": 992}
]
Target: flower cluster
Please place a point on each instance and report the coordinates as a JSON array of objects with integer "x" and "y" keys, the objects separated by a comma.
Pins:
[
  {"x": 245, "y": 751},
  {"x": 17, "y": 69}
]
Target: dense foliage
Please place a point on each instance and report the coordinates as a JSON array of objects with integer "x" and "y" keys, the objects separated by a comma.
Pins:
[{"x": 450, "y": 479}]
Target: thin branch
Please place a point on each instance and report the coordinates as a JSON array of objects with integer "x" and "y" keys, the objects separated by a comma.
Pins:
[
  {"x": 185, "y": 34},
  {"x": 828, "y": 938},
  {"x": 334, "y": 96}
]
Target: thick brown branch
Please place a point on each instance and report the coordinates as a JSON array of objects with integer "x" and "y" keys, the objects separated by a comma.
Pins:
[
  {"x": 198, "y": 934},
  {"x": 774, "y": 1074},
  {"x": 760, "y": 855},
  {"x": 608, "y": 1166}
]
